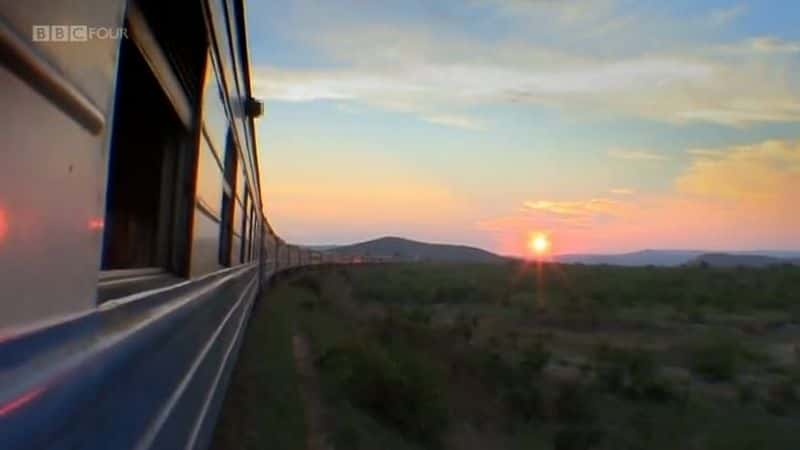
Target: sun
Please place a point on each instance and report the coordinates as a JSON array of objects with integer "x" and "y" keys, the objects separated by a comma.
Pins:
[{"x": 539, "y": 244}]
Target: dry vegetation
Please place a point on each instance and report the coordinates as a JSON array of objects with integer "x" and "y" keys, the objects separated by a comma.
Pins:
[{"x": 560, "y": 357}]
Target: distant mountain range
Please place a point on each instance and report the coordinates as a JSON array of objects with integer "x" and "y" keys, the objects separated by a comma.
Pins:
[
  {"x": 640, "y": 258},
  {"x": 408, "y": 250},
  {"x": 402, "y": 249},
  {"x": 680, "y": 257},
  {"x": 733, "y": 260}
]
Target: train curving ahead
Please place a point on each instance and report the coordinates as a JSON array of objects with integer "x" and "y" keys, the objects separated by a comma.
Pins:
[{"x": 133, "y": 243}]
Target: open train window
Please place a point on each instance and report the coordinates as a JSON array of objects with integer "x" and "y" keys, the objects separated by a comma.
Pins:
[
  {"x": 152, "y": 149},
  {"x": 145, "y": 151}
]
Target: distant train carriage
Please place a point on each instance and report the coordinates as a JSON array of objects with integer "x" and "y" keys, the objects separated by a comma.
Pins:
[{"x": 270, "y": 249}]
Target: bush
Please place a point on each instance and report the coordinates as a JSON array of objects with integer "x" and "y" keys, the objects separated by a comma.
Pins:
[
  {"x": 455, "y": 294},
  {"x": 394, "y": 385},
  {"x": 463, "y": 326},
  {"x": 574, "y": 403},
  {"x": 534, "y": 360},
  {"x": 310, "y": 282},
  {"x": 346, "y": 437},
  {"x": 746, "y": 394},
  {"x": 495, "y": 370},
  {"x": 633, "y": 373},
  {"x": 577, "y": 438},
  {"x": 419, "y": 315},
  {"x": 782, "y": 398},
  {"x": 719, "y": 357},
  {"x": 517, "y": 383},
  {"x": 524, "y": 400}
]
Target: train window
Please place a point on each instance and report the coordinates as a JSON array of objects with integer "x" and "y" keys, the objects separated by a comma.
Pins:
[
  {"x": 147, "y": 147},
  {"x": 241, "y": 182},
  {"x": 243, "y": 253},
  {"x": 237, "y": 218},
  {"x": 257, "y": 240},
  {"x": 215, "y": 118},
  {"x": 228, "y": 201},
  {"x": 236, "y": 248},
  {"x": 246, "y": 242},
  {"x": 209, "y": 181},
  {"x": 208, "y": 214},
  {"x": 205, "y": 243},
  {"x": 251, "y": 240}
]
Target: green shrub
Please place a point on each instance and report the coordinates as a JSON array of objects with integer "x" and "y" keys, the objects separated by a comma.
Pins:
[
  {"x": 495, "y": 370},
  {"x": 577, "y": 438},
  {"x": 463, "y": 326},
  {"x": 534, "y": 360},
  {"x": 782, "y": 398},
  {"x": 455, "y": 294},
  {"x": 517, "y": 383},
  {"x": 574, "y": 403},
  {"x": 746, "y": 394},
  {"x": 719, "y": 356},
  {"x": 524, "y": 400},
  {"x": 308, "y": 281},
  {"x": 658, "y": 390},
  {"x": 633, "y": 373},
  {"x": 419, "y": 315},
  {"x": 612, "y": 378},
  {"x": 393, "y": 384},
  {"x": 346, "y": 437},
  {"x": 696, "y": 315}
]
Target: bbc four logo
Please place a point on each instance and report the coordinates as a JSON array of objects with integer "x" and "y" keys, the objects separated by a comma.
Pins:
[{"x": 75, "y": 33}]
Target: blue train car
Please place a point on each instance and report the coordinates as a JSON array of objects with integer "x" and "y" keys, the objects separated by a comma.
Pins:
[{"x": 132, "y": 238}]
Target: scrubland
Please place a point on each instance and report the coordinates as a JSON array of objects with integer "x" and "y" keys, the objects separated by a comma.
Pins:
[{"x": 525, "y": 356}]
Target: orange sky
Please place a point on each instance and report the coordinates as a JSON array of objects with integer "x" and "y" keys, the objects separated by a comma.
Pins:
[{"x": 610, "y": 125}]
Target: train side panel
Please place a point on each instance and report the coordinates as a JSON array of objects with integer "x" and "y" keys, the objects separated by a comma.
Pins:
[{"x": 56, "y": 104}]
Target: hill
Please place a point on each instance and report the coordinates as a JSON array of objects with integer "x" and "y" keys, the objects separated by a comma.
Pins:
[
  {"x": 679, "y": 257},
  {"x": 640, "y": 258},
  {"x": 734, "y": 260},
  {"x": 408, "y": 250}
]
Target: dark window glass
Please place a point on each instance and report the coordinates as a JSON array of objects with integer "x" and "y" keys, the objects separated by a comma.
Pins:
[
  {"x": 228, "y": 200},
  {"x": 205, "y": 243},
  {"x": 243, "y": 252},
  {"x": 148, "y": 149}
]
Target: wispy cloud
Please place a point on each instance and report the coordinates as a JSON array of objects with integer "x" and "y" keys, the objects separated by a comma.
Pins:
[
  {"x": 636, "y": 154},
  {"x": 726, "y": 196},
  {"x": 705, "y": 152},
  {"x": 622, "y": 191},
  {"x": 770, "y": 44},
  {"x": 567, "y": 11},
  {"x": 559, "y": 214},
  {"x": 418, "y": 70},
  {"x": 761, "y": 46},
  {"x": 767, "y": 172},
  {"x": 723, "y": 16},
  {"x": 580, "y": 208},
  {"x": 464, "y": 122}
]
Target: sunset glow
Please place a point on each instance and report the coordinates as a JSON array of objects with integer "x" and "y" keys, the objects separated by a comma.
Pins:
[{"x": 617, "y": 127}]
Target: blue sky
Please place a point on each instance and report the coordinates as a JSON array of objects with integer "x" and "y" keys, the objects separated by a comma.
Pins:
[{"x": 482, "y": 121}]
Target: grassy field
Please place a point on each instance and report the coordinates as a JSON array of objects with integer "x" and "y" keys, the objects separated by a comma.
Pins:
[
  {"x": 445, "y": 356},
  {"x": 263, "y": 404}
]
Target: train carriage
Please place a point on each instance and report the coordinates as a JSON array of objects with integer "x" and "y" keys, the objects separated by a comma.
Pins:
[{"x": 130, "y": 183}]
